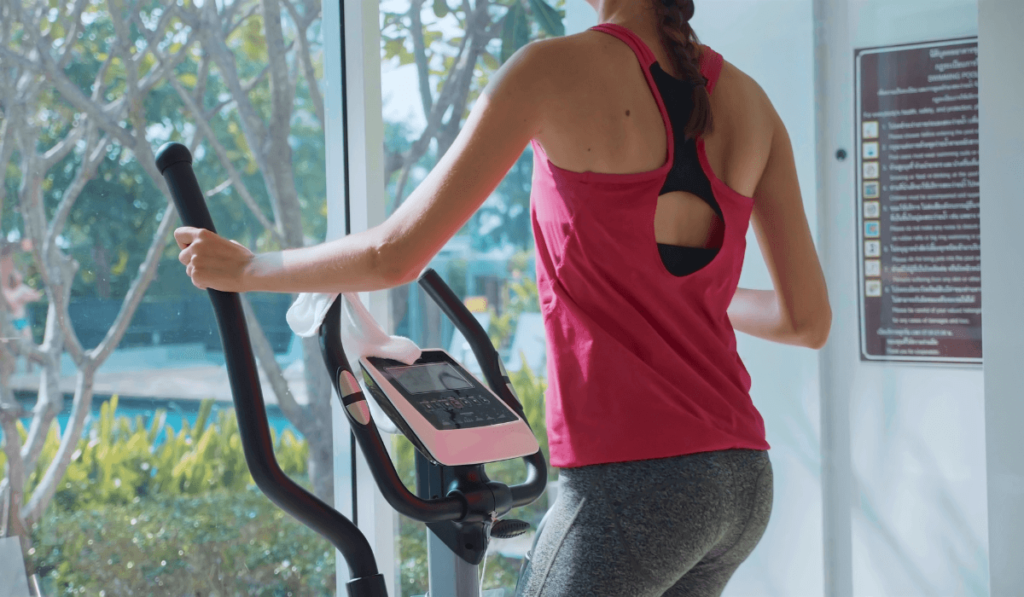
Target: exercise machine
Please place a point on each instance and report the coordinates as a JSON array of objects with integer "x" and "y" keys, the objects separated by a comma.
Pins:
[{"x": 447, "y": 413}]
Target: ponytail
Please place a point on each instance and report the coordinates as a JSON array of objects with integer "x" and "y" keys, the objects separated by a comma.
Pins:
[{"x": 684, "y": 54}]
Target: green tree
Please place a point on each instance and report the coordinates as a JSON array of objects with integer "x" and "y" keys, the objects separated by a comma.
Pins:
[{"x": 87, "y": 90}]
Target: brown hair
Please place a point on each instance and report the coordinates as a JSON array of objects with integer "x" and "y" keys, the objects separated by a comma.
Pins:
[{"x": 684, "y": 53}]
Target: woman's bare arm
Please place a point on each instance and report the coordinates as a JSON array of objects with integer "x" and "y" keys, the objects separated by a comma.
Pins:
[
  {"x": 503, "y": 120},
  {"x": 500, "y": 125},
  {"x": 797, "y": 311}
]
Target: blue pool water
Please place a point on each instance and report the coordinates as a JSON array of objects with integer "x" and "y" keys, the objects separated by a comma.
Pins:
[{"x": 177, "y": 411}]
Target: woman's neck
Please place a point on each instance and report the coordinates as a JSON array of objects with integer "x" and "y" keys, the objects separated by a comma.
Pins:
[{"x": 635, "y": 15}]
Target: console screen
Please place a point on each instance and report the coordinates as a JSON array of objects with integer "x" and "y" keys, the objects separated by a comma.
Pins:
[{"x": 430, "y": 377}]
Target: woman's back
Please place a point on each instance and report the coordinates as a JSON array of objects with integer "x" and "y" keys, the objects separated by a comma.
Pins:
[
  {"x": 648, "y": 404},
  {"x": 639, "y": 355},
  {"x": 604, "y": 118}
]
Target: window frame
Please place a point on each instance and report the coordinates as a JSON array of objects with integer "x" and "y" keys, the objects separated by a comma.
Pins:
[{"x": 354, "y": 147}]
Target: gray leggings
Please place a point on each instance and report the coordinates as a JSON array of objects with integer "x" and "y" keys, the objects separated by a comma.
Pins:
[{"x": 672, "y": 526}]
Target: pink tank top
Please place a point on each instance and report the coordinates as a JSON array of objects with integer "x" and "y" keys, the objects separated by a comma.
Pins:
[{"x": 641, "y": 364}]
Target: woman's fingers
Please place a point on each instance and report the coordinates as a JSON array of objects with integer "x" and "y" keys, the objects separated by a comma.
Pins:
[
  {"x": 210, "y": 261},
  {"x": 185, "y": 236}
]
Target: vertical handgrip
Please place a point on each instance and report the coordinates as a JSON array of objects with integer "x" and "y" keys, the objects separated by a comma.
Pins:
[
  {"x": 494, "y": 373},
  {"x": 365, "y": 431},
  {"x": 175, "y": 163},
  {"x": 486, "y": 356}
]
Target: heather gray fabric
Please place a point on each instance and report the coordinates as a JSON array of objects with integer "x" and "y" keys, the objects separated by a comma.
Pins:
[{"x": 676, "y": 526}]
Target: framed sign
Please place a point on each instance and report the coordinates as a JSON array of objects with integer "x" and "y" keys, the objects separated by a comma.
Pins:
[{"x": 918, "y": 210}]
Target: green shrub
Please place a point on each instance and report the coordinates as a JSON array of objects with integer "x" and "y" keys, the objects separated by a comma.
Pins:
[
  {"x": 136, "y": 517},
  {"x": 221, "y": 543},
  {"x": 118, "y": 460}
]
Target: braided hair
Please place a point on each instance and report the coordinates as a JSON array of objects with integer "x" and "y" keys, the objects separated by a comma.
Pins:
[{"x": 684, "y": 54}]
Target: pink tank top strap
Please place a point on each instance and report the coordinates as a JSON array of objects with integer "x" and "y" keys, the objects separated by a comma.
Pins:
[
  {"x": 643, "y": 53},
  {"x": 711, "y": 63}
]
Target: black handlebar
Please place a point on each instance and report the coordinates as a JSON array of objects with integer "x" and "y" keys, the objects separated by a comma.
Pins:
[{"x": 175, "y": 163}]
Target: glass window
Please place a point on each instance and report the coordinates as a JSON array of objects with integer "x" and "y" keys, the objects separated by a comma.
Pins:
[
  {"x": 122, "y": 469},
  {"x": 427, "y": 47}
]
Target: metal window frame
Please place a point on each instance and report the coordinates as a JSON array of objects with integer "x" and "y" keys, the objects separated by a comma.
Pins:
[{"x": 354, "y": 147}]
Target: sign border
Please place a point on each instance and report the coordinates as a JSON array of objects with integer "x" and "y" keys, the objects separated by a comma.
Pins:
[{"x": 972, "y": 363}]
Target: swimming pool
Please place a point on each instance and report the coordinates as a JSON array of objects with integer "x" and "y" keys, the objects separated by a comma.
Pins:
[{"x": 177, "y": 411}]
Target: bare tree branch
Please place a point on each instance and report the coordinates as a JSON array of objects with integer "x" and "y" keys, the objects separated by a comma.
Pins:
[
  {"x": 245, "y": 17},
  {"x": 217, "y": 49},
  {"x": 158, "y": 31},
  {"x": 146, "y": 273},
  {"x": 434, "y": 119},
  {"x": 48, "y": 67},
  {"x": 48, "y": 404},
  {"x": 15, "y": 473},
  {"x": 72, "y": 31},
  {"x": 219, "y": 188},
  {"x": 71, "y": 93},
  {"x": 157, "y": 75},
  {"x": 103, "y": 115},
  {"x": 92, "y": 157},
  {"x": 222, "y": 155},
  {"x": 60, "y": 150},
  {"x": 89, "y": 363},
  {"x": 307, "y": 62},
  {"x": 50, "y": 400},
  {"x": 101, "y": 74},
  {"x": 6, "y": 144},
  {"x": 47, "y": 486},
  {"x": 201, "y": 74},
  {"x": 282, "y": 98},
  {"x": 247, "y": 87},
  {"x": 419, "y": 50}
]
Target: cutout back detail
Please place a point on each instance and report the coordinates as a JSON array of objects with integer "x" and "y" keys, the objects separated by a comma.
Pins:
[{"x": 688, "y": 222}]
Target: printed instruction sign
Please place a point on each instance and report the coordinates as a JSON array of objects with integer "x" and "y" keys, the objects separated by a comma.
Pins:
[{"x": 918, "y": 210}]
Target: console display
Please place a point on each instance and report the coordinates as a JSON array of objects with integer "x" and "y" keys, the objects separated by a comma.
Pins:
[{"x": 430, "y": 377}]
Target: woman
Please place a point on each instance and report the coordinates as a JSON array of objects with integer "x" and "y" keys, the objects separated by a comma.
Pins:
[
  {"x": 16, "y": 294},
  {"x": 648, "y": 150}
]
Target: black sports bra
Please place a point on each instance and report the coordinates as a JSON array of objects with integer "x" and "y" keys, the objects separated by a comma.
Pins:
[{"x": 686, "y": 173}]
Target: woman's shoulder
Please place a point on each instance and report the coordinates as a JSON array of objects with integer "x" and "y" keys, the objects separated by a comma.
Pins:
[
  {"x": 735, "y": 79},
  {"x": 557, "y": 68},
  {"x": 739, "y": 93},
  {"x": 577, "y": 55}
]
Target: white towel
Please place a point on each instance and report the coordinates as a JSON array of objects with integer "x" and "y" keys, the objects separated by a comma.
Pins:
[{"x": 361, "y": 335}]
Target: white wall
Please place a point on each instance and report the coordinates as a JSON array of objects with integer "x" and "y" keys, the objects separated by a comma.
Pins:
[
  {"x": 915, "y": 468},
  {"x": 1002, "y": 200},
  {"x": 771, "y": 40}
]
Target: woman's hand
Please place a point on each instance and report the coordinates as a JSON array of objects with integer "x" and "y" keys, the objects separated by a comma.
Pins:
[{"x": 213, "y": 261}]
